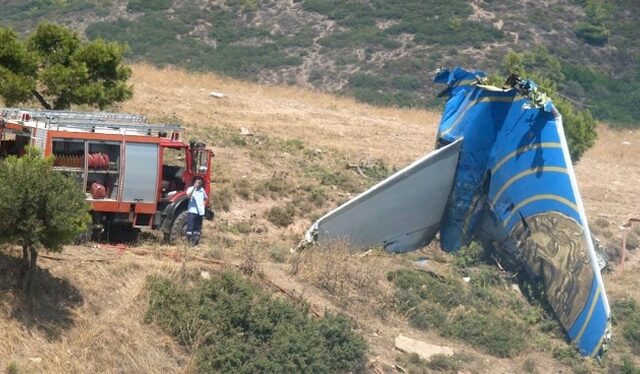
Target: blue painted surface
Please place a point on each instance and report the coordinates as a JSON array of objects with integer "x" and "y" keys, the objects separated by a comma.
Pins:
[
  {"x": 478, "y": 116},
  {"x": 514, "y": 162}
]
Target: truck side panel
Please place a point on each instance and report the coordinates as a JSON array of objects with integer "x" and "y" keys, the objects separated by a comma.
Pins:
[{"x": 140, "y": 172}]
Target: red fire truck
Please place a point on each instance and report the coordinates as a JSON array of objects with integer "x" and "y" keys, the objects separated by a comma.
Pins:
[{"x": 135, "y": 174}]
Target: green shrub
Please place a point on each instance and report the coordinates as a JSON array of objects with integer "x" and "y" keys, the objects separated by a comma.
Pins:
[
  {"x": 632, "y": 240},
  {"x": 431, "y": 22},
  {"x": 579, "y": 124},
  {"x": 227, "y": 27},
  {"x": 279, "y": 254},
  {"x": 362, "y": 37},
  {"x": 626, "y": 314},
  {"x": 242, "y": 187},
  {"x": 292, "y": 145},
  {"x": 569, "y": 356},
  {"x": 238, "y": 140},
  {"x": 222, "y": 198},
  {"x": 317, "y": 196},
  {"x": 377, "y": 170},
  {"x": 233, "y": 326},
  {"x": 281, "y": 216},
  {"x": 479, "y": 314},
  {"x": 303, "y": 38},
  {"x": 412, "y": 363},
  {"x": 326, "y": 177},
  {"x": 366, "y": 80},
  {"x": 427, "y": 316},
  {"x": 469, "y": 256},
  {"x": 243, "y": 227},
  {"x": 628, "y": 366},
  {"x": 442, "y": 362},
  {"x": 406, "y": 82},
  {"x": 448, "y": 293},
  {"x": 496, "y": 334},
  {"x": 147, "y": 5},
  {"x": 484, "y": 278},
  {"x": 164, "y": 39},
  {"x": 275, "y": 187},
  {"x": 12, "y": 368},
  {"x": 592, "y": 34},
  {"x": 565, "y": 354}
]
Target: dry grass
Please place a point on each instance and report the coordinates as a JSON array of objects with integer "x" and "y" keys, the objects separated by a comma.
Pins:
[
  {"x": 325, "y": 121},
  {"x": 606, "y": 175},
  {"x": 347, "y": 276},
  {"x": 94, "y": 324},
  {"x": 104, "y": 332}
]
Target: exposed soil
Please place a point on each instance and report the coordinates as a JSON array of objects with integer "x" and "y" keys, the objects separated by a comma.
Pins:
[{"x": 98, "y": 324}]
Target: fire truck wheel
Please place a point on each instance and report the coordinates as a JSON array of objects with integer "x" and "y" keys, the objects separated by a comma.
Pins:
[{"x": 179, "y": 228}]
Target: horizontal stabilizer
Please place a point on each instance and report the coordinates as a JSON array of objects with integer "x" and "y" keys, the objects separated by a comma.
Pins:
[{"x": 401, "y": 213}]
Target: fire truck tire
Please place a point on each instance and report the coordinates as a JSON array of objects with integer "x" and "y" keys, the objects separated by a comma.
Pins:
[
  {"x": 83, "y": 238},
  {"x": 178, "y": 228}
]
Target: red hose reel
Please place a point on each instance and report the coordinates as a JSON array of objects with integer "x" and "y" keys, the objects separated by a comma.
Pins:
[{"x": 99, "y": 161}]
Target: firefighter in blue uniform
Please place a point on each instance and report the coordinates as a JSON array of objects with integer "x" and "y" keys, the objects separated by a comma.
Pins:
[{"x": 196, "y": 209}]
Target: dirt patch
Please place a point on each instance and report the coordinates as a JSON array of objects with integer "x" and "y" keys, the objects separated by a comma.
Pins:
[{"x": 92, "y": 323}]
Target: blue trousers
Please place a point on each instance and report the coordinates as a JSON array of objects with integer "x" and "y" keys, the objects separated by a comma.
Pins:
[{"x": 194, "y": 227}]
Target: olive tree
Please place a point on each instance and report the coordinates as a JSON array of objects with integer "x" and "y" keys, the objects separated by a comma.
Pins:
[
  {"x": 39, "y": 208},
  {"x": 55, "y": 67}
]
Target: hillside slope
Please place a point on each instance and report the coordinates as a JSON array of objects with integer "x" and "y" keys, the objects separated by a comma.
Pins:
[
  {"x": 382, "y": 52},
  {"x": 296, "y": 162}
]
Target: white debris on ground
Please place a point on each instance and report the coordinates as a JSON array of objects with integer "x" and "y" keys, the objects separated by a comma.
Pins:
[{"x": 205, "y": 275}]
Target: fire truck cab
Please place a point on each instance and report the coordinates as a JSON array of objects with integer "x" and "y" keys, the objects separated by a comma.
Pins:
[{"x": 133, "y": 173}]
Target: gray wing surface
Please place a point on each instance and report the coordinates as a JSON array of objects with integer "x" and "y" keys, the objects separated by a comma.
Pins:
[{"x": 401, "y": 213}]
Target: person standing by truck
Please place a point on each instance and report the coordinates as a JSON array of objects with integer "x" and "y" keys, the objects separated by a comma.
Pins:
[{"x": 195, "y": 211}]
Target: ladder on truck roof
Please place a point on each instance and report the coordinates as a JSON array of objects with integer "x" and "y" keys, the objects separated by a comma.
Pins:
[
  {"x": 9, "y": 112},
  {"x": 32, "y": 114},
  {"x": 88, "y": 116},
  {"x": 100, "y": 122},
  {"x": 108, "y": 127}
]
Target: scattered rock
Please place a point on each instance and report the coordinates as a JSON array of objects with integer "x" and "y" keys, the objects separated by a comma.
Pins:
[
  {"x": 245, "y": 131},
  {"x": 422, "y": 349},
  {"x": 205, "y": 275}
]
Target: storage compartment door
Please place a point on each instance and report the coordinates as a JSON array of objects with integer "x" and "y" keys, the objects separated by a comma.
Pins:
[{"x": 140, "y": 173}]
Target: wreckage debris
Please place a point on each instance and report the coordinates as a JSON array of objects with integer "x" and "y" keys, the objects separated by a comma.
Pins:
[{"x": 501, "y": 175}]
